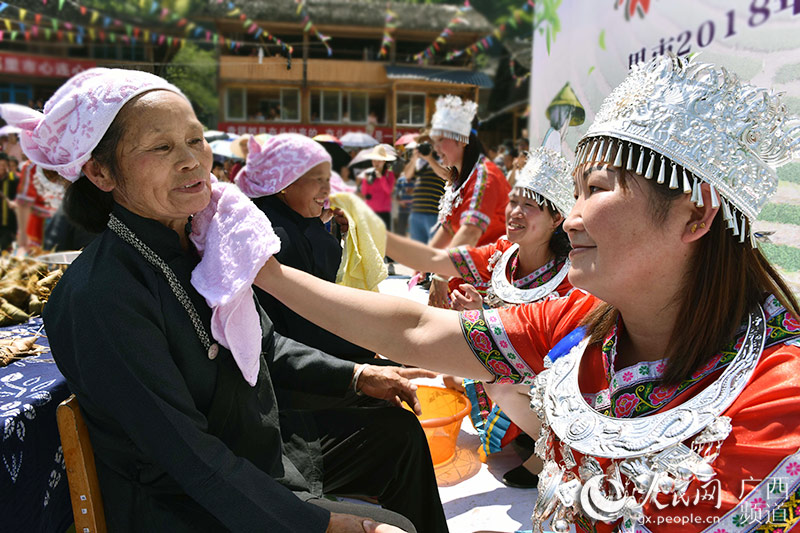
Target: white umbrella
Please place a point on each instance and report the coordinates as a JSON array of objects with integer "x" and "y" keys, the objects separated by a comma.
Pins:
[
  {"x": 222, "y": 148},
  {"x": 357, "y": 139},
  {"x": 8, "y": 128}
]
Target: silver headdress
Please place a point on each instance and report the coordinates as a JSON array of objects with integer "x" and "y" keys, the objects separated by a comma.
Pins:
[
  {"x": 453, "y": 118},
  {"x": 682, "y": 122},
  {"x": 546, "y": 176}
]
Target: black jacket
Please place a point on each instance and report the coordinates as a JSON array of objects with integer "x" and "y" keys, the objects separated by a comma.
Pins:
[
  {"x": 182, "y": 442},
  {"x": 305, "y": 245}
]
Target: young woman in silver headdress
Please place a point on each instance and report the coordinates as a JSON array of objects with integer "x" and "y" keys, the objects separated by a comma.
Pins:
[
  {"x": 471, "y": 211},
  {"x": 529, "y": 263},
  {"x": 669, "y": 393}
]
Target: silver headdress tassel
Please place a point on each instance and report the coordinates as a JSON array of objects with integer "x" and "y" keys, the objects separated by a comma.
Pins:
[
  {"x": 546, "y": 177},
  {"x": 682, "y": 123}
]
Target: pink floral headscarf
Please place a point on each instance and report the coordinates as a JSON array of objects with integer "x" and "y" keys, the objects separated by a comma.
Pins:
[
  {"x": 278, "y": 163},
  {"x": 77, "y": 116}
]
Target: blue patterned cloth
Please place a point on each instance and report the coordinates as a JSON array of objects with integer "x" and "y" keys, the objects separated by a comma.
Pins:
[{"x": 33, "y": 479}]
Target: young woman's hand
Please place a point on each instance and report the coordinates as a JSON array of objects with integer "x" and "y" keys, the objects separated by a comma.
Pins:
[
  {"x": 466, "y": 297},
  {"x": 437, "y": 294}
]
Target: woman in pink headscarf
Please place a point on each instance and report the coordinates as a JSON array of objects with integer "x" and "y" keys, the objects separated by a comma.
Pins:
[
  {"x": 289, "y": 179},
  {"x": 157, "y": 333}
]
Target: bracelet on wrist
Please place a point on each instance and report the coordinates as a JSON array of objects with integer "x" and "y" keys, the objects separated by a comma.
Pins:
[
  {"x": 354, "y": 381},
  {"x": 437, "y": 277}
]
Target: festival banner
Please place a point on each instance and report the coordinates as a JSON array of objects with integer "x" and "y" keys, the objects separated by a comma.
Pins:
[
  {"x": 43, "y": 67},
  {"x": 576, "y": 67}
]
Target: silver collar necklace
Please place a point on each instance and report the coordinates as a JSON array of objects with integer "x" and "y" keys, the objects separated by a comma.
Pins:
[
  {"x": 647, "y": 453},
  {"x": 504, "y": 289}
]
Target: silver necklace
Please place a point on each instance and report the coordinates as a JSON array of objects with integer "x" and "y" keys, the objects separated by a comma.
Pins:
[
  {"x": 505, "y": 289},
  {"x": 452, "y": 197},
  {"x": 125, "y": 233},
  {"x": 646, "y": 452}
]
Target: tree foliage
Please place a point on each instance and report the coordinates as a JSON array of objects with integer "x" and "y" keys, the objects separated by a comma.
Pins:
[{"x": 194, "y": 71}]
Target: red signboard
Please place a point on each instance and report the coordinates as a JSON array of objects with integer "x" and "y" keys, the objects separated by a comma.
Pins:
[
  {"x": 42, "y": 67},
  {"x": 381, "y": 134}
]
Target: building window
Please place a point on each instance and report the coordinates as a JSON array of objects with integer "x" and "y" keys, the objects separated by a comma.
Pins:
[
  {"x": 235, "y": 103},
  {"x": 411, "y": 109},
  {"x": 377, "y": 108},
  {"x": 357, "y": 110},
  {"x": 326, "y": 106},
  {"x": 290, "y": 105},
  {"x": 272, "y": 104}
]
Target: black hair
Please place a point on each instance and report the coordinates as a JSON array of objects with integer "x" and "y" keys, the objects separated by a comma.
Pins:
[
  {"x": 4, "y": 156},
  {"x": 472, "y": 152},
  {"x": 216, "y": 164}
]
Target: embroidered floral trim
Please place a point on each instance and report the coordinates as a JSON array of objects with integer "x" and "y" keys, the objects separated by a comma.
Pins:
[
  {"x": 467, "y": 269},
  {"x": 783, "y": 517},
  {"x": 484, "y": 332},
  {"x": 498, "y": 332},
  {"x": 635, "y": 390},
  {"x": 452, "y": 197},
  {"x": 541, "y": 275},
  {"x": 762, "y": 506},
  {"x": 476, "y": 218},
  {"x": 481, "y": 180}
]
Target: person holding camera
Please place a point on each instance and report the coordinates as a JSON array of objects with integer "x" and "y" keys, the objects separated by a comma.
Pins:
[
  {"x": 378, "y": 183},
  {"x": 472, "y": 209},
  {"x": 428, "y": 188}
]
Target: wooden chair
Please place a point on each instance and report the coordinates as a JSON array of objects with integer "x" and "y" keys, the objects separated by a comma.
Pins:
[{"x": 84, "y": 489}]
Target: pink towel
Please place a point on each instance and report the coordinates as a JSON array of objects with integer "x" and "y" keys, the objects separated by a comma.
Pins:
[{"x": 235, "y": 239}]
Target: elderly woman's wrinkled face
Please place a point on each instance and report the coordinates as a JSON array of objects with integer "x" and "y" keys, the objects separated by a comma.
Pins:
[
  {"x": 307, "y": 195},
  {"x": 164, "y": 160}
]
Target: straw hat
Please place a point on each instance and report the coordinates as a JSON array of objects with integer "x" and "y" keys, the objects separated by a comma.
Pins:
[
  {"x": 381, "y": 152},
  {"x": 238, "y": 144}
]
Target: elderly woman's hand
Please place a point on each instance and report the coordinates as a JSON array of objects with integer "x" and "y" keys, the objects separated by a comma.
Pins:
[
  {"x": 338, "y": 216},
  {"x": 392, "y": 384},
  {"x": 341, "y": 219},
  {"x": 347, "y": 523},
  {"x": 466, "y": 297}
]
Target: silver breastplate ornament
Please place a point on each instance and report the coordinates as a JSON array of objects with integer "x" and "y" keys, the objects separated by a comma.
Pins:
[
  {"x": 502, "y": 291},
  {"x": 648, "y": 455}
]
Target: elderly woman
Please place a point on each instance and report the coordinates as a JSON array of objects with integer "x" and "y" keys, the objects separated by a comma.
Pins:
[
  {"x": 289, "y": 179},
  {"x": 471, "y": 212},
  {"x": 668, "y": 392},
  {"x": 526, "y": 265},
  {"x": 185, "y": 427}
]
